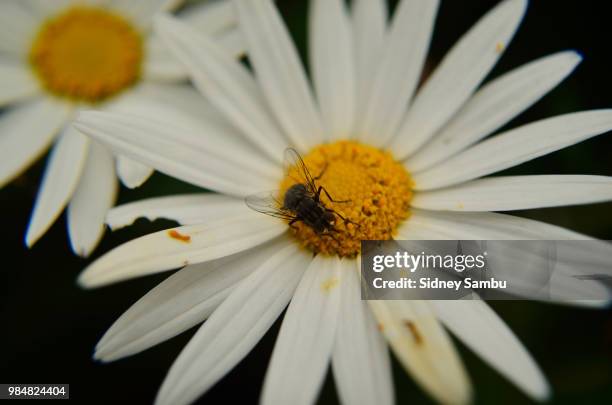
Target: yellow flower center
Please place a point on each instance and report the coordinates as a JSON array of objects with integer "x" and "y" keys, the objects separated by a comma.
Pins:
[
  {"x": 372, "y": 192},
  {"x": 87, "y": 54}
]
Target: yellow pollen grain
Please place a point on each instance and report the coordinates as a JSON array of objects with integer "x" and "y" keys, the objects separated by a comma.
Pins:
[
  {"x": 87, "y": 54},
  {"x": 377, "y": 188}
]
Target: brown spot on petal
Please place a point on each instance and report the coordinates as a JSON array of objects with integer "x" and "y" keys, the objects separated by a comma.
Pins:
[
  {"x": 416, "y": 334},
  {"x": 174, "y": 234},
  {"x": 381, "y": 327},
  {"x": 329, "y": 284}
]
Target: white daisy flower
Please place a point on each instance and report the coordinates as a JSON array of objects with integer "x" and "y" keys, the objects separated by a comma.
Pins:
[
  {"x": 57, "y": 57},
  {"x": 409, "y": 163}
]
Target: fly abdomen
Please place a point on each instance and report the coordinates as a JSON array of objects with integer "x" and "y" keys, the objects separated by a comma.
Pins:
[
  {"x": 308, "y": 210},
  {"x": 294, "y": 195}
]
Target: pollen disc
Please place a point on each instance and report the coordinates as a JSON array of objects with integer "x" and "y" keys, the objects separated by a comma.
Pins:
[
  {"x": 86, "y": 54},
  {"x": 376, "y": 188}
]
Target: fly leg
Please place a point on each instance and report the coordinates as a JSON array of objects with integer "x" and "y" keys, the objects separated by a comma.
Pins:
[
  {"x": 292, "y": 223},
  {"x": 322, "y": 172},
  {"x": 346, "y": 220},
  {"x": 321, "y": 188},
  {"x": 330, "y": 234}
]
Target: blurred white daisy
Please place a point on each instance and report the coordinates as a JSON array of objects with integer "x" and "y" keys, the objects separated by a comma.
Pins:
[
  {"x": 57, "y": 57},
  {"x": 241, "y": 268}
]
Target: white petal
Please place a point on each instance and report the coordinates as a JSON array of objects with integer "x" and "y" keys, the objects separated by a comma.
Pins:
[
  {"x": 458, "y": 75},
  {"x": 332, "y": 64},
  {"x": 579, "y": 260},
  {"x": 184, "y": 107},
  {"x": 304, "y": 345},
  {"x": 225, "y": 82},
  {"x": 181, "y": 246},
  {"x": 45, "y": 9},
  {"x": 233, "y": 41},
  {"x": 494, "y": 105},
  {"x": 399, "y": 70},
  {"x": 132, "y": 174},
  {"x": 62, "y": 175},
  {"x": 17, "y": 28},
  {"x": 211, "y": 17},
  {"x": 235, "y": 327},
  {"x": 97, "y": 3},
  {"x": 181, "y": 301},
  {"x": 16, "y": 82},
  {"x": 517, "y": 193},
  {"x": 369, "y": 29},
  {"x": 141, "y": 12},
  {"x": 25, "y": 132},
  {"x": 535, "y": 270},
  {"x": 482, "y": 226},
  {"x": 587, "y": 258},
  {"x": 360, "y": 359},
  {"x": 515, "y": 147},
  {"x": 187, "y": 209},
  {"x": 424, "y": 348},
  {"x": 160, "y": 64},
  {"x": 95, "y": 194},
  {"x": 485, "y": 333},
  {"x": 279, "y": 72},
  {"x": 178, "y": 152}
]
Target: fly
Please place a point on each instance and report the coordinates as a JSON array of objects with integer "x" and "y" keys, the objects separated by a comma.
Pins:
[{"x": 301, "y": 202}]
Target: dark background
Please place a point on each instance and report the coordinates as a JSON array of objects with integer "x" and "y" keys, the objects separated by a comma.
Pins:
[{"x": 50, "y": 326}]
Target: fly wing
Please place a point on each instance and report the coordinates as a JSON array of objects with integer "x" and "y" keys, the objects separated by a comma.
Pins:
[
  {"x": 267, "y": 203},
  {"x": 293, "y": 159}
]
